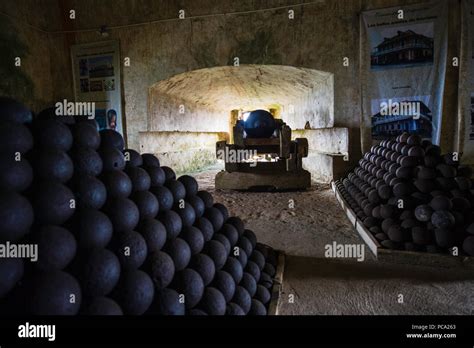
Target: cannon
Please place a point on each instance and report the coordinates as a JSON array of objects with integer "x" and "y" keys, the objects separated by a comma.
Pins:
[{"x": 262, "y": 157}]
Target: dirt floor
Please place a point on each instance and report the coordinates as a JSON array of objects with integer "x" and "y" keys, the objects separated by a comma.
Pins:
[{"x": 302, "y": 223}]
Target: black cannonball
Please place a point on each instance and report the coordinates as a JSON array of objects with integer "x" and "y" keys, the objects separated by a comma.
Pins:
[
  {"x": 132, "y": 158},
  {"x": 186, "y": 212},
  {"x": 87, "y": 162},
  {"x": 135, "y": 292},
  {"x": 445, "y": 238},
  {"x": 52, "y": 134},
  {"x": 197, "y": 204},
  {"x": 11, "y": 272},
  {"x": 230, "y": 232},
  {"x": 207, "y": 198},
  {"x": 179, "y": 251},
  {"x": 190, "y": 184},
  {"x": 204, "y": 265},
  {"x": 14, "y": 111},
  {"x": 157, "y": 176},
  {"x": 189, "y": 283},
  {"x": 111, "y": 139},
  {"x": 99, "y": 272},
  {"x": 86, "y": 135},
  {"x": 92, "y": 229},
  {"x": 234, "y": 268},
  {"x": 242, "y": 298},
  {"x": 150, "y": 161},
  {"x": 123, "y": 214},
  {"x": 154, "y": 233},
  {"x": 53, "y": 165},
  {"x": 15, "y": 175},
  {"x": 215, "y": 216},
  {"x": 206, "y": 228},
  {"x": 266, "y": 281},
  {"x": 421, "y": 235},
  {"x": 269, "y": 269},
  {"x": 168, "y": 302},
  {"x": 258, "y": 258},
  {"x": 117, "y": 183},
  {"x": 250, "y": 235},
  {"x": 56, "y": 248},
  {"x": 16, "y": 216},
  {"x": 177, "y": 189},
  {"x": 397, "y": 234},
  {"x": 131, "y": 249},
  {"x": 245, "y": 244},
  {"x": 55, "y": 293},
  {"x": 90, "y": 192},
  {"x": 234, "y": 309},
  {"x": 102, "y": 306},
  {"x": 169, "y": 173},
  {"x": 217, "y": 252},
  {"x": 237, "y": 223},
  {"x": 15, "y": 137},
  {"x": 253, "y": 269},
  {"x": 172, "y": 222},
  {"x": 160, "y": 267},
  {"x": 164, "y": 196},
  {"x": 225, "y": 283},
  {"x": 257, "y": 308},
  {"x": 224, "y": 241},
  {"x": 223, "y": 210},
  {"x": 112, "y": 159},
  {"x": 139, "y": 178},
  {"x": 213, "y": 302},
  {"x": 442, "y": 219},
  {"x": 249, "y": 283},
  {"x": 193, "y": 236},
  {"x": 468, "y": 245},
  {"x": 423, "y": 213},
  {"x": 441, "y": 203},
  {"x": 51, "y": 113},
  {"x": 53, "y": 202},
  {"x": 147, "y": 204}
]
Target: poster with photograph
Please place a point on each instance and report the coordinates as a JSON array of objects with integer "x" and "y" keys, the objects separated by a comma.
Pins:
[
  {"x": 404, "y": 52},
  {"x": 96, "y": 69}
]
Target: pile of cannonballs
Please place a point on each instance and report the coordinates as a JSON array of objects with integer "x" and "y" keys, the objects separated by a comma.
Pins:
[
  {"x": 410, "y": 197},
  {"x": 116, "y": 232}
]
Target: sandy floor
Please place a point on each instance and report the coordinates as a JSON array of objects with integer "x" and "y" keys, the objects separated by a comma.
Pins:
[{"x": 302, "y": 224}]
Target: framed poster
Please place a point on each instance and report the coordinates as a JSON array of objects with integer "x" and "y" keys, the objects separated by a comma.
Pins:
[{"x": 96, "y": 74}]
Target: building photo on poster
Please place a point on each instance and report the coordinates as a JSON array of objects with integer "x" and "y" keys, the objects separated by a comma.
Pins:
[{"x": 245, "y": 172}]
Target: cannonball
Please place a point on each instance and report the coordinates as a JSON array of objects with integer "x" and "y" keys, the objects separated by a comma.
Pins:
[
  {"x": 468, "y": 245},
  {"x": 53, "y": 165},
  {"x": 240, "y": 255},
  {"x": 164, "y": 196},
  {"x": 249, "y": 283},
  {"x": 408, "y": 162},
  {"x": 169, "y": 173},
  {"x": 112, "y": 159},
  {"x": 215, "y": 216},
  {"x": 206, "y": 198},
  {"x": 168, "y": 302},
  {"x": 111, "y": 139},
  {"x": 15, "y": 137},
  {"x": 463, "y": 183},
  {"x": 135, "y": 292},
  {"x": 258, "y": 258},
  {"x": 150, "y": 161},
  {"x": 52, "y": 134},
  {"x": 14, "y": 175},
  {"x": 387, "y": 211},
  {"x": 414, "y": 139},
  {"x": 179, "y": 251},
  {"x": 90, "y": 192},
  {"x": 402, "y": 189},
  {"x": 197, "y": 204},
  {"x": 234, "y": 268},
  {"x": 461, "y": 204},
  {"x": 99, "y": 272},
  {"x": 242, "y": 298},
  {"x": 421, "y": 235},
  {"x": 131, "y": 249},
  {"x": 92, "y": 229},
  {"x": 16, "y": 216},
  {"x": 147, "y": 204},
  {"x": 157, "y": 176},
  {"x": 56, "y": 248},
  {"x": 253, "y": 269},
  {"x": 117, "y": 183},
  {"x": 423, "y": 213},
  {"x": 390, "y": 244},
  {"x": 102, "y": 306},
  {"x": 409, "y": 223},
  {"x": 431, "y": 161},
  {"x": 265, "y": 280},
  {"x": 257, "y": 308},
  {"x": 172, "y": 222},
  {"x": 441, "y": 203},
  {"x": 11, "y": 272},
  {"x": 445, "y": 238},
  {"x": 14, "y": 111},
  {"x": 197, "y": 312},
  {"x": 53, "y": 203},
  {"x": 154, "y": 233},
  {"x": 216, "y": 250},
  {"x": 224, "y": 241},
  {"x": 186, "y": 212},
  {"x": 223, "y": 210},
  {"x": 189, "y": 283},
  {"x": 465, "y": 171},
  {"x": 86, "y": 135},
  {"x": 245, "y": 244},
  {"x": 160, "y": 267},
  {"x": 230, "y": 232},
  {"x": 237, "y": 223},
  {"x": 193, "y": 236},
  {"x": 206, "y": 228},
  {"x": 250, "y": 235},
  {"x": 213, "y": 302},
  {"x": 139, "y": 178},
  {"x": 442, "y": 219},
  {"x": 234, "y": 309},
  {"x": 190, "y": 185},
  {"x": 397, "y": 234},
  {"x": 123, "y": 214},
  {"x": 132, "y": 158},
  {"x": 224, "y": 282},
  {"x": 52, "y": 292},
  {"x": 205, "y": 266},
  {"x": 87, "y": 162}
]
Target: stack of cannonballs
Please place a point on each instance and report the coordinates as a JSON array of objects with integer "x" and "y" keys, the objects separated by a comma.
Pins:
[
  {"x": 116, "y": 232},
  {"x": 411, "y": 197}
]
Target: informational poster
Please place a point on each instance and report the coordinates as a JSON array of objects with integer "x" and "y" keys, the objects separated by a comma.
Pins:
[
  {"x": 96, "y": 71},
  {"x": 404, "y": 52},
  {"x": 466, "y": 83}
]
